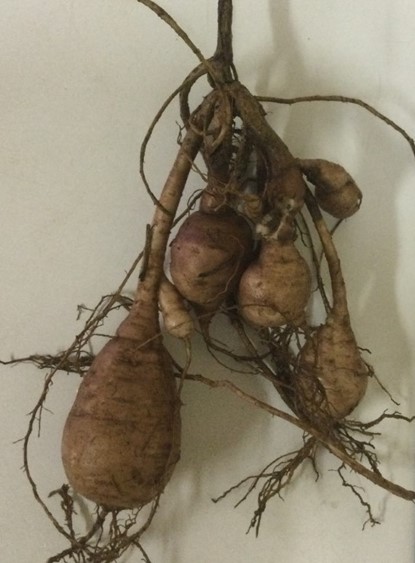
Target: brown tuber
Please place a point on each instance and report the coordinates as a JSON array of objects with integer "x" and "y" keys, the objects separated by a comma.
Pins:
[
  {"x": 335, "y": 190},
  {"x": 274, "y": 290},
  {"x": 330, "y": 377},
  {"x": 121, "y": 439},
  {"x": 208, "y": 256}
]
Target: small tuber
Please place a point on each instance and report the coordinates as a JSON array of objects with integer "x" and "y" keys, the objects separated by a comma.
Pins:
[
  {"x": 335, "y": 190},
  {"x": 121, "y": 439},
  {"x": 332, "y": 376}
]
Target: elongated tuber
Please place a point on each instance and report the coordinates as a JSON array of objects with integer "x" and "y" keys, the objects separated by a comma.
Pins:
[{"x": 122, "y": 437}]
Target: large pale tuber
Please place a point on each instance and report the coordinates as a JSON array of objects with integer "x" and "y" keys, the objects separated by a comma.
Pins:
[{"x": 122, "y": 437}]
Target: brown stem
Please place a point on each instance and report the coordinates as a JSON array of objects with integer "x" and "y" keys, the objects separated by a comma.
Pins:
[
  {"x": 285, "y": 186},
  {"x": 185, "y": 88},
  {"x": 149, "y": 133},
  {"x": 166, "y": 17},
  {"x": 223, "y": 57},
  {"x": 221, "y": 62},
  {"x": 305, "y": 229},
  {"x": 344, "y": 100},
  {"x": 253, "y": 116},
  {"x": 340, "y": 308}
]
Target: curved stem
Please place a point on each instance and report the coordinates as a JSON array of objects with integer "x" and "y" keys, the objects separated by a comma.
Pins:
[
  {"x": 183, "y": 91},
  {"x": 143, "y": 315},
  {"x": 166, "y": 17},
  {"x": 344, "y": 100},
  {"x": 340, "y": 307},
  {"x": 146, "y": 140},
  {"x": 222, "y": 60},
  {"x": 334, "y": 446},
  {"x": 187, "y": 85}
]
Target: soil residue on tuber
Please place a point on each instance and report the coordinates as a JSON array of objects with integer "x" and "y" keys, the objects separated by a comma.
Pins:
[{"x": 241, "y": 254}]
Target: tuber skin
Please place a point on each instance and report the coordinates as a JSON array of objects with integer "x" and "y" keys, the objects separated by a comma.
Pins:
[
  {"x": 331, "y": 378},
  {"x": 274, "y": 290},
  {"x": 177, "y": 319},
  {"x": 335, "y": 190},
  {"x": 208, "y": 257},
  {"x": 121, "y": 439}
]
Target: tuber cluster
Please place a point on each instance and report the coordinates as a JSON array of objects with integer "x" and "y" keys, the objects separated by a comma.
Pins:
[
  {"x": 237, "y": 252},
  {"x": 248, "y": 253},
  {"x": 121, "y": 439}
]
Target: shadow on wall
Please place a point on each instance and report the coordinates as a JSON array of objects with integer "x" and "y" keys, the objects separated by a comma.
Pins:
[{"x": 217, "y": 424}]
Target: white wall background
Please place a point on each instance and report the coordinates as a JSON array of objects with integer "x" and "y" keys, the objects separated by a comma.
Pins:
[{"x": 79, "y": 83}]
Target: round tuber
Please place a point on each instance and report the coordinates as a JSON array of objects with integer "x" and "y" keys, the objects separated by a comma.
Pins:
[
  {"x": 332, "y": 377},
  {"x": 208, "y": 257},
  {"x": 274, "y": 289}
]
